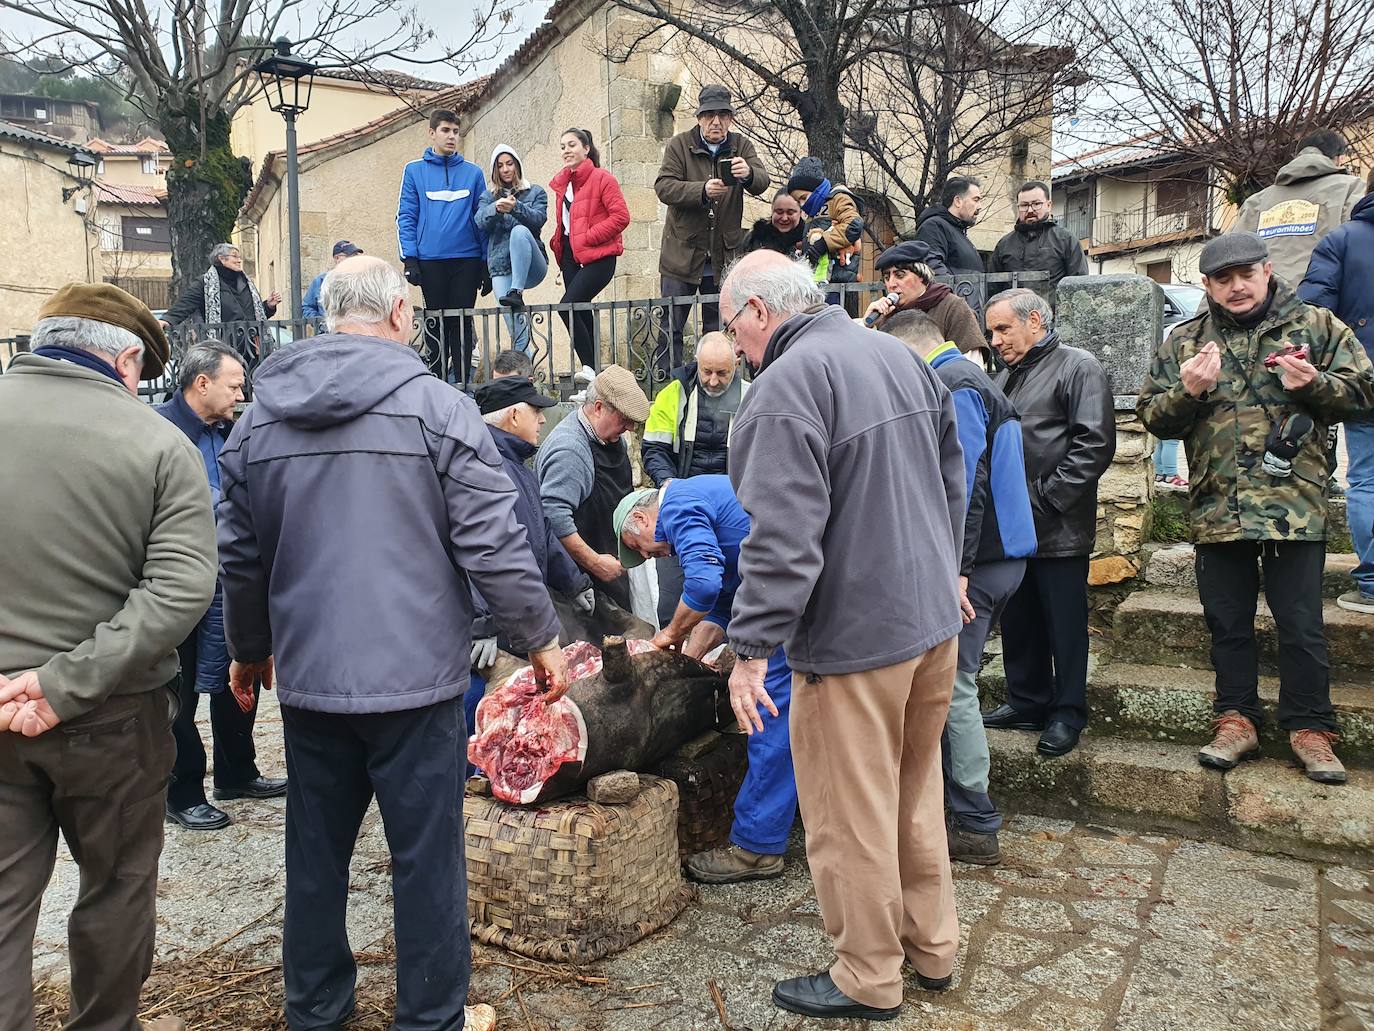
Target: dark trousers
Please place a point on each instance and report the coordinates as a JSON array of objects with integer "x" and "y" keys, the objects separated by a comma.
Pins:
[
  {"x": 100, "y": 779},
  {"x": 451, "y": 283},
  {"x": 1228, "y": 583},
  {"x": 231, "y": 729},
  {"x": 669, "y": 587},
  {"x": 1045, "y": 641},
  {"x": 668, "y": 356},
  {"x": 583, "y": 283},
  {"x": 413, "y": 762}
]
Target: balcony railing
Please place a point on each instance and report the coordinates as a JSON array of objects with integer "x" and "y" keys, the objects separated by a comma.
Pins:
[
  {"x": 1145, "y": 223},
  {"x": 635, "y": 334}
]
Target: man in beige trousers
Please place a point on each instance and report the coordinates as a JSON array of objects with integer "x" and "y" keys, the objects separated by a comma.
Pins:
[{"x": 846, "y": 456}]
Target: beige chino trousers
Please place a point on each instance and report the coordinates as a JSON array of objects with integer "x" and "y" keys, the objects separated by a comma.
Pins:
[{"x": 872, "y": 799}]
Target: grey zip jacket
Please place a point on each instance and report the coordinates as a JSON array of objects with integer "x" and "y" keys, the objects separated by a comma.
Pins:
[
  {"x": 360, "y": 497},
  {"x": 846, "y": 456}
]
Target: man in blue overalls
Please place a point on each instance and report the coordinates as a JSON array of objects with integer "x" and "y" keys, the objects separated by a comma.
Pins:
[{"x": 700, "y": 521}]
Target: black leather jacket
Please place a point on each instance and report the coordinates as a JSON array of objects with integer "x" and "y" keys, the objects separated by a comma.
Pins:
[{"x": 1068, "y": 431}]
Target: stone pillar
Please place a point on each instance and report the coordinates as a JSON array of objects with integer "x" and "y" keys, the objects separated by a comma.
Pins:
[{"x": 1120, "y": 319}]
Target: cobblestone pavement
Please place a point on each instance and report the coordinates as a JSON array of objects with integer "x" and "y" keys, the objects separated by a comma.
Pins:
[{"x": 1081, "y": 927}]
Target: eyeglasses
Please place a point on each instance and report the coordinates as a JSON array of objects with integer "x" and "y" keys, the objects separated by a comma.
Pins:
[
  {"x": 728, "y": 331},
  {"x": 1031, "y": 205},
  {"x": 718, "y": 116}
]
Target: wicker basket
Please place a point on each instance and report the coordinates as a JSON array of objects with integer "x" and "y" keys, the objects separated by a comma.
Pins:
[
  {"x": 707, "y": 784},
  {"x": 573, "y": 881}
]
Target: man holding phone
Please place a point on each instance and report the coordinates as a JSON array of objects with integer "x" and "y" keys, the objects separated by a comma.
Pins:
[{"x": 705, "y": 173}]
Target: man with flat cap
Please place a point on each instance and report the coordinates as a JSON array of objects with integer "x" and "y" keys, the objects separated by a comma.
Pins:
[
  {"x": 108, "y": 564},
  {"x": 1250, "y": 385},
  {"x": 584, "y": 470},
  {"x": 908, "y": 270},
  {"x": 514, "y": 413},
  {"x": 705, "y": 174}
]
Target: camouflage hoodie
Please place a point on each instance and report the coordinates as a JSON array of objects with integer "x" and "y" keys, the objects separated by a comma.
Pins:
[{"x": 1232, "y": 497}]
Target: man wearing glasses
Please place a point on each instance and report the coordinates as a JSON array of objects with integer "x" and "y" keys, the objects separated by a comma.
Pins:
[
  {"x": 1037, "y": 244},
  {"x": 705, "y": 173}
]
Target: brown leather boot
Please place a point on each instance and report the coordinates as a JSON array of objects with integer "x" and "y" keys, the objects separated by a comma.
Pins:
[
  {"x": 730, "y": 864},
  {"x": 1313, "y": 750},
  {"x": 1233, "y": 739}
]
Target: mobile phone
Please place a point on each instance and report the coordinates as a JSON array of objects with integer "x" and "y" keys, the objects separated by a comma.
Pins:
[
  {"x": 724, "y": 172},
  {"x": 1290, "y": 351}
]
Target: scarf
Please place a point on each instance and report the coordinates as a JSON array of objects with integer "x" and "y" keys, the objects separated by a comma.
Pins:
[
  {"x": 935, "y": 293},
  {"x": 83, "y": 358},
  {"x": 212, "y": 305},
  {"x": 817, "y": 200}
]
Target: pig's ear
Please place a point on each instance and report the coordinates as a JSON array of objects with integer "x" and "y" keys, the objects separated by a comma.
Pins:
[{"x": 615, "y": 661}]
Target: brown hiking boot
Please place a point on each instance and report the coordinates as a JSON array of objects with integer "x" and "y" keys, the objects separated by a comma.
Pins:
[
  {"x": 730, "y": 864},
  {"x": 1233, "y": 739},
  {"x": 1313, "y": 750}
]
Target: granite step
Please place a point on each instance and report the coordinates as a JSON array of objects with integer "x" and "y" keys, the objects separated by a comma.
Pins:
[
  {"x": 1159, "y": 627},
  {"x": 1174, "y": 704},
  {"x": 1172, "y": 569},
  {"x": 1265, "y": 805}
]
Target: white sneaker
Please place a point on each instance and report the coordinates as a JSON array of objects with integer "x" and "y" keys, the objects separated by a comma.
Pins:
[
  {"x": 1356, "y": 601},
  {"x": 584, "y": 375}
]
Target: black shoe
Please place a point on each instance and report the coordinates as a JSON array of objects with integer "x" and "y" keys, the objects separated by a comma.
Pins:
[
  {"x": 1005, "y": 717},
  {"x": 966, "y": 846},
  {"x": 1058, "y": 739},
  {"x": 260, "y": 787},
  {"x": 934, "y": 984},
  {"x": 514, "y": 299},
  {"x": 817, "y": 996},
  {"x": 203, "y": 817}
]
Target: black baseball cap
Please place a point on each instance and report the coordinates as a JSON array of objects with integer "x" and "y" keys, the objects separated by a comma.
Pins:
[
  {"x": 345, "y": 247},
  {"x": 496, "y": 394}
]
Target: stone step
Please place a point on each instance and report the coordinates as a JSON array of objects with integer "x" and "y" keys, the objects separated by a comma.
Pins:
[
  {"x": 1172, "y": 569},
  {"x": 1174, "y": 704},
  {"x": 1158, "y": 627},
  {"x": 1156, "y": 786}
]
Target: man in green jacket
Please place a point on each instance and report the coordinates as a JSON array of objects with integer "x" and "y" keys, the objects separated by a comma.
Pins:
[
  {"x": 705, "y": 202},
  {"x": 108, "y": 564},
  {"x": 1250, "y": 386}
]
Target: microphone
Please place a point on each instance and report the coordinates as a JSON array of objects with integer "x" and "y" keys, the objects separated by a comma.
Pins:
[{"x": 873, "y": 318}]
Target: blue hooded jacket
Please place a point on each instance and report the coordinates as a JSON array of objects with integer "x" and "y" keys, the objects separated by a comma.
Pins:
[
  {"x": 1340, "y": 277},
  {"x": 436, "y": 212}
]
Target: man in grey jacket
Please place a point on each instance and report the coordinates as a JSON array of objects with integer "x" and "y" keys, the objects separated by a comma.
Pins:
[
  {"x": 846, "y": 457},
  {"x": 1068, "y": 432},
  {"x": 360, "y": 497}
]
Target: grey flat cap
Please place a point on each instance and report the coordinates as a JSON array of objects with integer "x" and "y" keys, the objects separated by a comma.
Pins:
[
  {"x": 714, "y": 98},
  {"x": 1230, "y": 250}
]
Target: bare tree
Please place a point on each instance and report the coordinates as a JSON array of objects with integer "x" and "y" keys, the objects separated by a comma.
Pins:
[
  {"x": 1232, "y": 83},
  {"x": 188, "y": 65}
]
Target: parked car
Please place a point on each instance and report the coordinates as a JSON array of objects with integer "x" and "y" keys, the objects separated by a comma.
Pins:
[{"x": 1181, "y": 301}]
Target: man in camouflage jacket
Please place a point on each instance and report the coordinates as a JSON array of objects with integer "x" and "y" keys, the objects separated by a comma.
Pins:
[{"x": 1243, "y": 423}]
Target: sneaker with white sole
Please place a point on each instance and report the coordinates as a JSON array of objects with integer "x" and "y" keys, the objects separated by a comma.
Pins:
[{"x": 1357, "y": 601}]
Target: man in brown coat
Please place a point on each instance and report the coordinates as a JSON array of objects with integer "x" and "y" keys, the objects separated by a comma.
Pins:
[
  {"x": 108, "y": 565},
  {"x": 705, "y": 200}
]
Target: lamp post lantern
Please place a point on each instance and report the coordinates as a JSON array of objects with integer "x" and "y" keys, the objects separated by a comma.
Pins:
[
  {"x": 82, "y": 166},
  {"x": 287, "y": 80}
]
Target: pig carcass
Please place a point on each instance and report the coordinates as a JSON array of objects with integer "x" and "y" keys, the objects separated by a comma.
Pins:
[{"x": 629, "y": 706}]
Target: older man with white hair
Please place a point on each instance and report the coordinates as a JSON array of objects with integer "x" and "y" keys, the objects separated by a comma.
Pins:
[
  {"x": 361, "y": 497},
  {"x": 846, "y": 457},
  {"x": 108, "y": 564}
]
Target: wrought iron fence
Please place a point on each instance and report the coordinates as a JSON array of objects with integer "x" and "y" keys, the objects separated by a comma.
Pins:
[{"x": 459, "y": 345}]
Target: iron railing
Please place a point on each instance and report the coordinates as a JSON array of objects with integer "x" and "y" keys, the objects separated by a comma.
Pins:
[{"x": 636, "y": 334}]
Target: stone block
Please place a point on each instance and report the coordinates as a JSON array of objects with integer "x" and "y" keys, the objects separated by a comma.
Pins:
[
  {"x": 1111, "y": 570},
  {"x": 1280, "y": 802},
  {"x": 625, "y": 122},
  {"x": 1128, "y": 532},
  {"x": 1120, "y": 319},
  {"x": 1125, "y": 484},
  {"x": 614, "y": 788},
  {"x": 1132, "y": 445}
]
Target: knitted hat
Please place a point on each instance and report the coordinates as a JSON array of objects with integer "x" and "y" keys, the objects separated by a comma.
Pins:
[
  {"x": 103, "y": 302},
  {"x": 808, "y": 175},
  {"x": 618, "y": 388}
]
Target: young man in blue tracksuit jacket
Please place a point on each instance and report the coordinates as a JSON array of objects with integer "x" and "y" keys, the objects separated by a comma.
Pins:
[
  {"x": 999, "y": 535},
  {"x": 442, "y": 247},
  {"x": 702, "y": 522}
]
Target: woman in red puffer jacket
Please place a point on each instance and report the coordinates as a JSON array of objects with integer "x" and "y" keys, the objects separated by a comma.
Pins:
[{"x": 591, "y": 216}]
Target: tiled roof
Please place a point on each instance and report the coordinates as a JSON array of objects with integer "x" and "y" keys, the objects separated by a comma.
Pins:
[
  {"x": 382, "y": 77},
  {"x": 18, "y": 132},
  {"x": 147, "y": 145},
  {"x": 1117, "y": 155},
  {"x": 119, "y": 193}
]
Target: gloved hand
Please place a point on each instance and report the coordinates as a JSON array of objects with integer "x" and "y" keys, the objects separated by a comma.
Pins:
[
  {"x": 815, "y": 250},
  {"x": 486, "y": 285},
  {"x": 412, "y": 271},
  {"x": 483, "y": 652},
  {"x": 585, "y": 602}
]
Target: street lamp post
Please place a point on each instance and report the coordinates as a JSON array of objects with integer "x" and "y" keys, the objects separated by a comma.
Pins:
[{"x": 287, "y": 81}]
